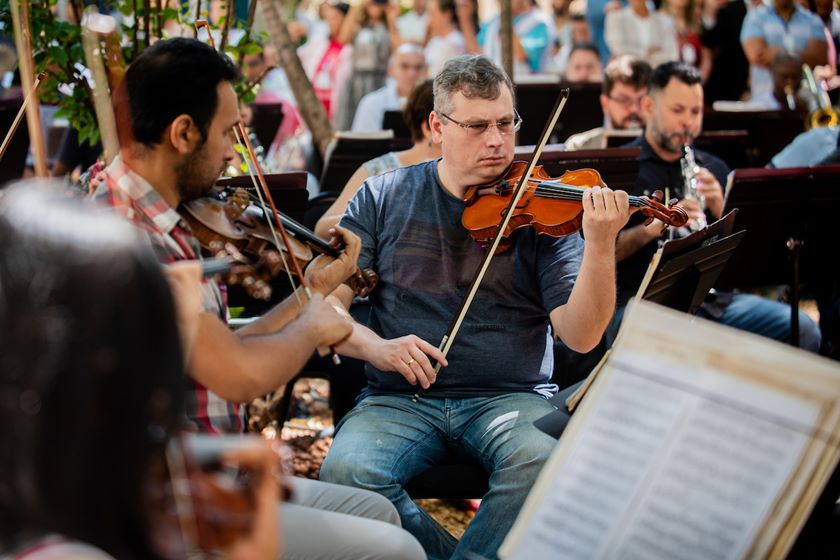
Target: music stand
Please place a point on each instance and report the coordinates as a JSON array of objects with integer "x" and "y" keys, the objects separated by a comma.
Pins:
[
  {"x": 393, "y": 120},
  {"x": 681, "y": 276},
  {"x": 535, "y": 100},
  {"x": 619, "y": 168},
  {"x": 266, "y": 119},
  {"x": 14, "y": 160},
  {"x": 347, "y": 152},
  {"x": 287, "y": 189},
  {"x": 790, "y": 218},
  {"x": 768, "y": 132}
]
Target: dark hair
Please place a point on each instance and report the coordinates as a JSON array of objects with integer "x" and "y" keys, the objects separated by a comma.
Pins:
[
  {"x": 91, "y": 373},
  {"x": 342, "y": 7},
  {"x": 419, "y": 105},
  {"x": 662, "y": 74},
  {"x": 171, "y": 78},
  {"x": 448, "y": 7},
  {"x": 627, "y": 70},
  {"x": 586, "y": 46}
]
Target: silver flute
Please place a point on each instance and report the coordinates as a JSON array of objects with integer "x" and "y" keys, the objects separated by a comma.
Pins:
[{"x": 689, "y": 168}]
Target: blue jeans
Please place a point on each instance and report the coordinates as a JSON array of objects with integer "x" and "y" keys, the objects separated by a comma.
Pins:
[
  {"x": 769, "y": 318},
  {"x": 387, "y": 440}
]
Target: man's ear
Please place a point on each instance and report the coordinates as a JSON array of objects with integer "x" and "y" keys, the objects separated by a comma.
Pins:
[
  {"x": 436, "y": 127},
  {"x": 604, "y": 99},
  {"x": 647, "y": 107},
  {"x": 183, "y": 134}
]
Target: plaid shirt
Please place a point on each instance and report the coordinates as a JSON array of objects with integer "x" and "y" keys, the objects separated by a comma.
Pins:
[{"x": 135, "y": 199}]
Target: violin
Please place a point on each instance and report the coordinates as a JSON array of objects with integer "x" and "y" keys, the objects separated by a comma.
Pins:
[
  {"x": 552, "y": 206},
  {"x": 227, "y": 223}
]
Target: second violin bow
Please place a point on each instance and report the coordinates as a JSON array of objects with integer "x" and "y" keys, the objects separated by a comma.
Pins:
[{"x": 19, "y": 117}]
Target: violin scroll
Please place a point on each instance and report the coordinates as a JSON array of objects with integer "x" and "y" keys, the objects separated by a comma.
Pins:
[{"x": 653, "y": 208}]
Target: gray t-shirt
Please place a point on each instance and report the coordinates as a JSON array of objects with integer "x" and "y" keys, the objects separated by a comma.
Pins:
[{"x": 412, "y": 236}]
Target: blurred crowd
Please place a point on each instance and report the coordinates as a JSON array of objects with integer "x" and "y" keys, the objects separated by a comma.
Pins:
[{"x": 365, "y": 59}]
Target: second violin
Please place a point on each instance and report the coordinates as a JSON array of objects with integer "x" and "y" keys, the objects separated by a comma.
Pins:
[
  {"x": 553, "y": 206},
  {"x": 227, "y": 221}
]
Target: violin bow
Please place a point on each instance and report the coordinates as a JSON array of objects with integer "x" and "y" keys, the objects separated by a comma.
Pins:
[
  {"x": 449, "y": 337},
  {"x": 242, "y": 135},
  {"x": 19, "y": 117}
]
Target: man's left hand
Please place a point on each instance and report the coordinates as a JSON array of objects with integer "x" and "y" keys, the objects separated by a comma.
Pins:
[
  {"x": 605, "y": 212},
  {"x": 711, "y": 191},
  {"x": 325, "y": 274}
]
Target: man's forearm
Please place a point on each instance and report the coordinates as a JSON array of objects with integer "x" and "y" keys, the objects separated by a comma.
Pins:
[
  {"x": 277, "y": 318},
  {"x": 241, "y": 369},
  {"x": 632, "y": 239},
  {"x": 581, "y": 322}
]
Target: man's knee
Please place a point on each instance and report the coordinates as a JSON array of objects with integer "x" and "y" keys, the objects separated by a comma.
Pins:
[{"x": 353, "y": 469}]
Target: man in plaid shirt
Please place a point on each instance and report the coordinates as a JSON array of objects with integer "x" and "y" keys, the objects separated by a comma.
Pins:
[{"x": 181, "y": 106}]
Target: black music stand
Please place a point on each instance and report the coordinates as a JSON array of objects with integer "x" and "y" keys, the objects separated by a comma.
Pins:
[
  {"x": 535, "y": 100},
  {"x": 14, "y": 160},
  {"x": 347, "y": 152},
  {"x": 790, "y": 218},
  {"x": 768, "y": 132},
  {"x": 266, "y": 119},
  {"x": 619, "y": 168},
  {"x": 287, "y": 189},
  {"x": 689, "y": 267},
  {"x": 393, "y": 120}
]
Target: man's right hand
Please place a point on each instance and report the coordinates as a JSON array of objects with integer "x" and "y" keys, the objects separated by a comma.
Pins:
[
  {"x": 328, "y": 326},
  {"x": 408, "y": 356},
  {"x": 325, "y": 274}
]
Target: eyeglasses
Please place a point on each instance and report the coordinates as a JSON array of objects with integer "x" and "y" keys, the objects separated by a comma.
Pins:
[
  {"x": 627, "y": 101},
  {"x": 416, "y": 67},
  {"x": 505, "y": 126}
]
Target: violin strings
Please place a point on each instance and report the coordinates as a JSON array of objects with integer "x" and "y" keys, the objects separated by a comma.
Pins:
[
  {"x": 560, "y": 191},
  {"x": 246, "y": 158}
]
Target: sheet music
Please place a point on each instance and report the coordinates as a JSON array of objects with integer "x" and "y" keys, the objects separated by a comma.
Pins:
[{"x": 673, "y": 461}]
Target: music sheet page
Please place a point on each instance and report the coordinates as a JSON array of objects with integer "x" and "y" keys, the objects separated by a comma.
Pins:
[{"x": 674, "y": 459}]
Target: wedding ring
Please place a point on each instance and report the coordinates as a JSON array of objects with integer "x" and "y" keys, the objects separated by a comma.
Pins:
[{"x": 409, "y": 362}]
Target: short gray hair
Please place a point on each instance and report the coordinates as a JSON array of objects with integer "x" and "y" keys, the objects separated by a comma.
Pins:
[{"x": 473, "y": 76}]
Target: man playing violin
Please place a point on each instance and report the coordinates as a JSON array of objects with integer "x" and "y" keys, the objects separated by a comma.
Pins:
[
  {"x": 497, "y": 377},
  {"x": 179, "y": 105}
]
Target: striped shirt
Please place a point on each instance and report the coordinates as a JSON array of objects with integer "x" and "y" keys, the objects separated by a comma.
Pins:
[{"x": 135, "y": 199}]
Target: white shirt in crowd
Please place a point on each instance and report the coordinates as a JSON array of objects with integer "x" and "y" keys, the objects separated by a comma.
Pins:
[
  {"x": 440, "y": 49},
  {"x": 372, "y": 107},
  {"x": 413, "y": 27}
]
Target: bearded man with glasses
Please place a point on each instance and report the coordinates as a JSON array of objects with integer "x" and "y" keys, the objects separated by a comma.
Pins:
[
  {"x": 497, "y": 378},
  {"x": 625, "y": 85}
]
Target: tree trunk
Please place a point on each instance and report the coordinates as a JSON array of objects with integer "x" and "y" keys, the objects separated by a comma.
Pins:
[
  {"x": 22, "y": 31},
  {"x": 506, "y": 32},
  {"x": 309, "y": 105}
]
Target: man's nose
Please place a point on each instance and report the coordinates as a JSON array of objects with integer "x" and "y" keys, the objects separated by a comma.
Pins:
[{"x": 493, "y": 137}]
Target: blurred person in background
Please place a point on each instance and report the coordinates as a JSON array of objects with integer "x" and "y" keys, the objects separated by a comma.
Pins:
[
  {"x": 637, "y": 30},
  {"x": 584, "y": 64},
  {"x": 625, "y": 85},
  {"x": 445, "y": 39},
  {"x": 370, "y": 27},
  {"x": 406, "y": 69},
  {"x": 416, "y": 115}
]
